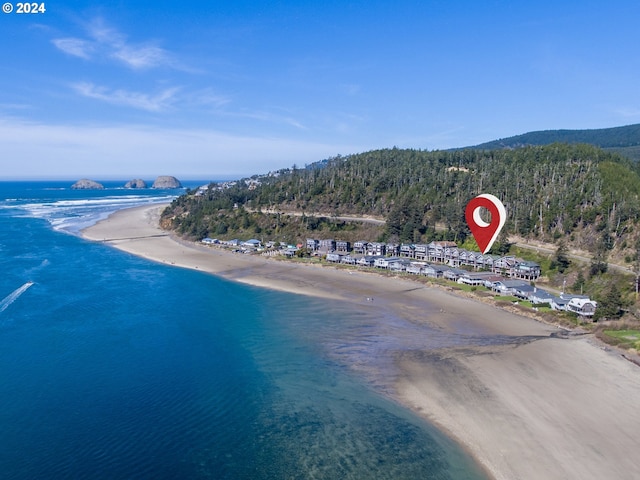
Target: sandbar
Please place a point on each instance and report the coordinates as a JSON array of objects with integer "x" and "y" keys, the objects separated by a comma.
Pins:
[{"x": 542, "y": 404}]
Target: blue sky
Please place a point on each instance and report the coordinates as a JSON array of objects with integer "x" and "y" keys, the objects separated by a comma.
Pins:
[{"x": 222, "y": 89}]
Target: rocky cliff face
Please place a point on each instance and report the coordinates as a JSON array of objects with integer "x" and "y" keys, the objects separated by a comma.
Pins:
[
  {"x": 136, "y": 183},
  {"x": 86, "y": 184},
  {"x": 165, "y": 181}
]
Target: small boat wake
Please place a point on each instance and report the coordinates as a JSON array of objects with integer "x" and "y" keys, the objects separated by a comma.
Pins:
[{"x": 13, "y": 296}]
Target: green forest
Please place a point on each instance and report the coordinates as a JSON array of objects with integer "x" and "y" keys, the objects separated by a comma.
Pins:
[
  {"x": 589, "y": 197},
  {"x": 623, "y": 140}
]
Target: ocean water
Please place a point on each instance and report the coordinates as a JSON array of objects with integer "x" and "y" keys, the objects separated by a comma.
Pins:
[{"x": 114, "y": 367}]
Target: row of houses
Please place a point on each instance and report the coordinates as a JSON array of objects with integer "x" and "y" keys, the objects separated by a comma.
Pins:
[
  {"x": 520, "y": 288},
  {"x": 504, "y": 275},
  {"x": 441, "y": 252}
]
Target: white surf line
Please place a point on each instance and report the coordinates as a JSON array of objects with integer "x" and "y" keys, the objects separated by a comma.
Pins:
[{"x": 13, "y": 296}]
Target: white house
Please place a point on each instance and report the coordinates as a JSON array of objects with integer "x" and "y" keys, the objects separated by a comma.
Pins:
[
  {"x": 252, "y": 243},
  {"x": 582, "y": 306},
  {"x": 334, "y": 257},
  {"x": 385, "y": 262}
]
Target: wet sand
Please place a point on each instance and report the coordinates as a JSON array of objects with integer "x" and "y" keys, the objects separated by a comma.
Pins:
[{"x": 542, "y": 405}]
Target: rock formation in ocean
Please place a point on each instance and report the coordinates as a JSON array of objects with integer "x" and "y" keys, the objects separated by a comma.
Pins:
[
  {"x": 165, "y": 181},
  {"x": 86, "y": 184},
  {"x": 136, "y": 183}
]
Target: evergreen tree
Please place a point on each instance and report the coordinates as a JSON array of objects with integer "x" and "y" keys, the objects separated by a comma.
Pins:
[
  {"x": 561, "y": 260},
  {"x": 610, "y": 305}
]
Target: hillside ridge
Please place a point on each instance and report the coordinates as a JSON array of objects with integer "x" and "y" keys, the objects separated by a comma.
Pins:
[{"x": 624, "y": 140}]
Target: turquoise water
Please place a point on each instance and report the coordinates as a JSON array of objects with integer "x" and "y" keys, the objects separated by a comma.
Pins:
[{"x": 115, "y": 367}]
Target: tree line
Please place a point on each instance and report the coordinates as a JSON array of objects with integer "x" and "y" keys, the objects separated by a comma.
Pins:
[{"x": 578, "y": 192}]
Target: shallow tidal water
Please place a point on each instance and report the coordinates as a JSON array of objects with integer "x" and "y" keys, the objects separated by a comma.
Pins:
[{"x": 116, "y": 367}]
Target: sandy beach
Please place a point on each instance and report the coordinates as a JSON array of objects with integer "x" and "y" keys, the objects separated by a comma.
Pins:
[{"x": 543, "y": 405}]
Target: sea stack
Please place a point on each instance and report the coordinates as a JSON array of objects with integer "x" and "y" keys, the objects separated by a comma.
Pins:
[
  {"x": 136, "y": 183},
  {"x": 165, "y": 181},
  {"x": 86, "y": 184}
]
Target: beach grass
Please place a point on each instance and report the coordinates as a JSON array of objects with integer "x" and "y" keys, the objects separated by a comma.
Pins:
[
  {"x": 506, "y": 298},
  {"x": 625, "y": 338}
]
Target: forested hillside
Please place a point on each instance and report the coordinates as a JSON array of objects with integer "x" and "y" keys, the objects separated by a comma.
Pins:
[
  {"x": 623, "y": 140},
  {"x": 579, "y": 193}
]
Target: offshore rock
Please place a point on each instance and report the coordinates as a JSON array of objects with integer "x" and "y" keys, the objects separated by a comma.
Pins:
[
  {"x": 165, "y": 181},
  {"x": 86, "y": 184},
  {"x": 136, "y": 183}
]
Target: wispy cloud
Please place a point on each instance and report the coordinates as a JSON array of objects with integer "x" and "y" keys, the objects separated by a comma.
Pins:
[
  {"x": 141, "y": 57},
  {"x": 74, "y": 46},
  {"x": 152, "y": 103},
  {"x": 267, "y": 117},
  {"x": 107, "y": 42},
  {"x": 206, "y": 97}
]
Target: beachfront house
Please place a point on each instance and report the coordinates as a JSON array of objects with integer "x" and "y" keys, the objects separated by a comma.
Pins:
[
  {"x": 399, "y": 265},
  {"x": 559, "y": 303},
  {"x": 452, "y": 254},
  {"x": 508, "y": 287},
  {"x": 436, "y": 251},
  {"x": 252, "y": 243},
  {"x": 453, "y": 274},
  {"x": 360, "y": 247},
  {"x": 579, "y": 304},
  {"x": 475, "y": 278},
  {"x": 524, "y": 291},
  {"x": 526, "y": 270},
  {"x": 343, "y": 246},
  {"x": 487, "y": 261},
  {"x": 407, "y": 250},
  {"x": 349, "y": 260},
  {"x": 334, "y": 257},
  {"x": 491, "y": 280},
  {"x": 376, "y": 248},
  {"x": 420, "y": 251},
  {"x": 327, "y": 245},
  {"x": 393, "y": 249},
  {"x": 504, "y": 265},
  {"x": 367, "y": 261},
  {"x": 466, "y": 257},
  {"x": 416, "y": 268},
  {"x": 540, "y": 296},
  {"x": 385, "y": 262},
  {"x": 584, "y": 307},
  {"x": 312, "y": 244},
  {"x": 433, "y": 271}
]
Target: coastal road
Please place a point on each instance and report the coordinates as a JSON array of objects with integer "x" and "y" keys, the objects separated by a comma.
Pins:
[{"x": 346, "y": 218}]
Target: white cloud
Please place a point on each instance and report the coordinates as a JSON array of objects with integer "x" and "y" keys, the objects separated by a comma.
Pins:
[
  {"x": 106, "y": 42},
  {"x": 143, "y": 101},
  {"x": 266, "y": 117},
  {"x": 207, "y": 97},
  {"x": 74, "y": 46},
  {"x": 68, "y": 151},
  {"x": 141, "y": 57}
]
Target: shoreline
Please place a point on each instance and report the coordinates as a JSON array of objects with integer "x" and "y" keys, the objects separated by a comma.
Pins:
[{"x": 537, "y": 406}]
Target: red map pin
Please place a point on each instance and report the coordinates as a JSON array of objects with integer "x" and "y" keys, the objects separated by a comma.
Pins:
[{"x": 485, "y": 233}]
